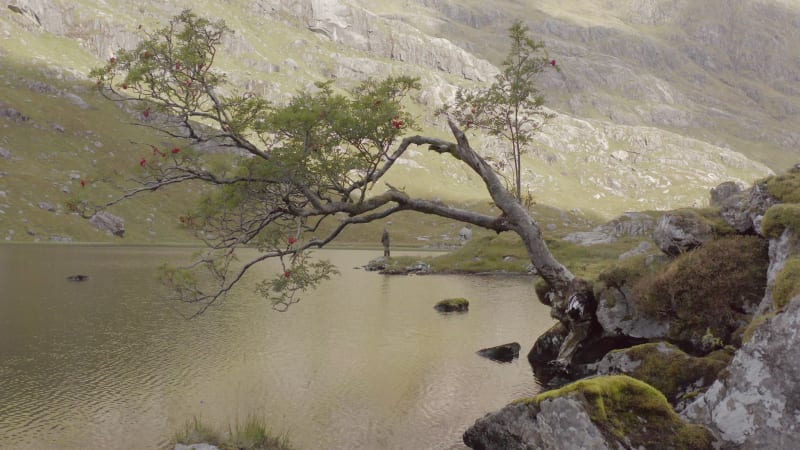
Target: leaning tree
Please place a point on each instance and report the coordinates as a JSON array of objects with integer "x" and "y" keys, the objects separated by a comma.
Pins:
[{"x": 291, "y": 168}]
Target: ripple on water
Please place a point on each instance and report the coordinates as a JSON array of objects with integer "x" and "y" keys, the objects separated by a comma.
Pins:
[{"x": 364, "y": 363}]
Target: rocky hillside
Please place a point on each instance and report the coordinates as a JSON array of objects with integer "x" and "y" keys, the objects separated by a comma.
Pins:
[{"x": 656, "y": 102}]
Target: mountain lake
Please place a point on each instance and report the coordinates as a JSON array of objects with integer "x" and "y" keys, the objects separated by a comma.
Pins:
[{"x": 363, "y": 362}]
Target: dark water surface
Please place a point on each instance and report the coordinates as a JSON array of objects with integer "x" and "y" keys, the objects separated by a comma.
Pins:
[{"x": 362, "y": 363}]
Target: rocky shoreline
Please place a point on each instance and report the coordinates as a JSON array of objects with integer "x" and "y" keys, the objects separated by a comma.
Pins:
[{"x": 695, "y": 348}]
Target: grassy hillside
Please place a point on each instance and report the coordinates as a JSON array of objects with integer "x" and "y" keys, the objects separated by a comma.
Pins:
[{"x": 598, "y": 164}]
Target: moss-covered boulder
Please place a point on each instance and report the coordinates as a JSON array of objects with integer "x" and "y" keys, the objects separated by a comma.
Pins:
[
  {"x": 452, "y": 305},
  {"x": 603, "y": 412},
  {"x": 677, "y": 375}
]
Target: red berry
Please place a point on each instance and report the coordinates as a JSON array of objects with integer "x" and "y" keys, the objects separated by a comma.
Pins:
[
  {"x": 83, "y": 183},
  {"x": 146, "y": 113},
  {"x": 113, "y": 60},
  {"x": 292, "y": 240},
  {"x": 143, "y": 162},
  {"x": 124, "y": 85},
  {"x": 553, "y": 62},
  {"x": 287, "y": 274},
  {"x": 175, "y": 150}
]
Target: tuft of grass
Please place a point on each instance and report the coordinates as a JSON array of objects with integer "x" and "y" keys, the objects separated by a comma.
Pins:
[
  {"x": 252, "y": 434},
  {"x": 787, "y": 283},
  {"x": 195, "y": 431},
  {"x": 780, "y": 217},
  {"x": 784, "y": 187}
]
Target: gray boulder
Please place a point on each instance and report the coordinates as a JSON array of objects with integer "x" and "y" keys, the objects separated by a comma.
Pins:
[
  {"x": 743, "y": 210},
  {"x": 756, "y": 405},
  {"x": 554, "y": 425},
  {"x": 722, "y": 193},
  {"x": 617, "y": 315},
  {"x": 47, "y": 206},
  {"x": 679, "y": 232},
  {"x": 109, "y": 223}
]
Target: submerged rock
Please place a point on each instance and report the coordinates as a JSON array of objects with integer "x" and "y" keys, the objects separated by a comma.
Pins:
[
  {"x": 77, "y": 277},
  {"x": 598, "y": 413},
  {"x": 501, "y": 353},
  {"x": 452, "y": 305}
]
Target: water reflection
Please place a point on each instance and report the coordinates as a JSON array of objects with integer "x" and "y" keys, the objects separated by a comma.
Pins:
[{"x": 364, "y": 362}]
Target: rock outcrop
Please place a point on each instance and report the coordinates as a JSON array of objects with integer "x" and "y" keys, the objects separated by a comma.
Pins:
[
  {"x": 628, "y": 224},
  {"x": 743, "y": 210},
  {"x": 109, "y": 223},
  {"x": 757, "y": 402}
]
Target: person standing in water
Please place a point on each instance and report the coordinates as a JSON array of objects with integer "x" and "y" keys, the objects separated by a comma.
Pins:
[{"x": 385, "y": 242}]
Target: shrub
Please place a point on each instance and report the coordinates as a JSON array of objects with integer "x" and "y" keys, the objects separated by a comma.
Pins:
[{"x": 707, "y": 289}]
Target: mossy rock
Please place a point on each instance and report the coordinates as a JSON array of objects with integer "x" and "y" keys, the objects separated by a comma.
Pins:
[
  {"x": 784, "y": 187},
  {"x": 707, "y": 291},
  {"x": 452, "y": 305},
  {"x": 628, "y": 271},
  {"x": 709, "y": 216},
  {"x": 668, "y": 369},
  {"x": 780, "y": 217},
  {"x": 631, "y": 413},
  {"x": 787, "y": 283}
]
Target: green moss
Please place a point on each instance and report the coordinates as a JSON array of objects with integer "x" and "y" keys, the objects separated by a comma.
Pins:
[
  {"x": 780, "y": 217},
  {"x": 670, "y": 370},
  {"x": 754, "y": 324},
  {"x": 627, "y": 271},
  {"x": 784, "y": 187},
  {"x": 787, "y": 283},
  {"x": 631, "y": 411},
  {"x": 707, "y": 289},
  {"x": 452, "y": 304}
]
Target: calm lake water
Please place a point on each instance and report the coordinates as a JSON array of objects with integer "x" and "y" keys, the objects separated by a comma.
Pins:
[{"x": 362, "y": 363}]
